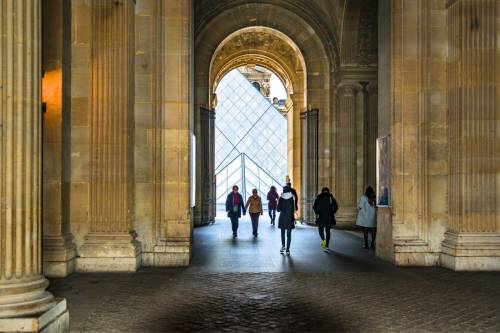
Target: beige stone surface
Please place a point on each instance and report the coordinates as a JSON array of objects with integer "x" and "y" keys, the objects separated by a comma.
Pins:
[
  {"x": 24, "y": 301},
  {"x": 123, "y": 84},
  {"x": 438, "y": 101},
  {"x": 55, "y": 320}
]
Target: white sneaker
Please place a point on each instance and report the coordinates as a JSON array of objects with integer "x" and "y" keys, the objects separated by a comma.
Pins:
[
  {"x": 282, "y": 250},
  {"x": 287, "y": 252}
]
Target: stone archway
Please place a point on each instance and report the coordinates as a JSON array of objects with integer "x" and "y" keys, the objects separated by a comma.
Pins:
[
  {"x": 273, "y": 50},
  {"x": 282, "y": 27}
]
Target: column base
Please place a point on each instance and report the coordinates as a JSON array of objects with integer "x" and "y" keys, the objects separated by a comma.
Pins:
[
  {"x": 109, "y": 253},
  {"x": 53, "y": 320},
  {"x": 169, "y": 254},
  {"x": 346, "y": 217},
  {"x": 471, "y": 251},
  {"x": 58, "y": 256},
  {"x": 384, "y": 246}
]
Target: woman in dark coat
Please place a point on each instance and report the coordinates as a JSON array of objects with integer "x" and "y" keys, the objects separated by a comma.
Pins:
[
  {"x": 272, "y": 197},
  {"x": 286, "y": 221},
  {"x": 325, "y": 206}
]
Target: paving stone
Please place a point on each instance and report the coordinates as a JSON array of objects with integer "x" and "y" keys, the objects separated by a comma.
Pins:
[{"x": 367, "y": 295}]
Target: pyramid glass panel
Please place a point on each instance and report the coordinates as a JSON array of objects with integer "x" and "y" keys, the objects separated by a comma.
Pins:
[{"x": 250, "y": 139}]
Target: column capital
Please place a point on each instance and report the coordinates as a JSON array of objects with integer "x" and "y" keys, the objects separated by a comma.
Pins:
[
  {"x": 372, "y": 88},
  {"x": 347, "y": 89}
]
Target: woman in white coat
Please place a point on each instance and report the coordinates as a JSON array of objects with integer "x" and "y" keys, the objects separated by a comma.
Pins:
[{"x": 367, "y": 215}]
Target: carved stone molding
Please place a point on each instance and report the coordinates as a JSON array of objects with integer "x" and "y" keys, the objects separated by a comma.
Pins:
[{"x": 347, "y": 90}]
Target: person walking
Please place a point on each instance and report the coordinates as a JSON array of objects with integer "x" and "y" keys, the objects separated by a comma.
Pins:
[
  {"x": 254, "y": 207},
  {"x": 367, "y": 215},
  {"x": 234, "y": 207},
  {"x": 325, "y": 206},
  {"x": 287, "y": 205},
  {"x": 272, "y": 198},
  {"x": 294, "y": 193}
]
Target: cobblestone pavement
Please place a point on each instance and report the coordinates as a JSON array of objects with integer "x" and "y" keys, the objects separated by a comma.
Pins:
[{"x": 307, "y": 298}]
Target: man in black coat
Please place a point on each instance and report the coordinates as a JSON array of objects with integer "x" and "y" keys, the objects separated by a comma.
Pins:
[{"x": 325, "y": 206}]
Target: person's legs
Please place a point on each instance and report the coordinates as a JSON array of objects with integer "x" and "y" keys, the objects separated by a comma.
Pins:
[
  {"x": 288, "y": 239},
  {"x": 374, "y": 235},
  {"x": 283, "y": 238},
  {"x": 274, "y": 215},
  {"x": 327, "y": 238},
  {"x": 255, "y": 220},
  {"x": 234, "y": 223},
  {"x": 321, "y": 232},
  {"x": 365, "y": 235}
]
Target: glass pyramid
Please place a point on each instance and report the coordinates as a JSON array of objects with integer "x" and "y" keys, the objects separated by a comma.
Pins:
[{"x": 250, "y": 139}]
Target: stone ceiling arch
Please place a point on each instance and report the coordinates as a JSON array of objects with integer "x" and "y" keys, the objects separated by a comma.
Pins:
[
  {"x": 318, "y": 60},
  {"x": 253, "y": 59},
  {"x": 311, "y": 12},
  {"x": 262, "y": 46}
]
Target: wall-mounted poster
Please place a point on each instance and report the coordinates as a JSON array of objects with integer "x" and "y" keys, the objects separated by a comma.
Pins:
[{"x": 384, "y": 171}]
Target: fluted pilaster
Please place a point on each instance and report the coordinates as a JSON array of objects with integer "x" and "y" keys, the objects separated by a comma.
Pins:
[
  {"x": 473, "y": 239},
  {"x": 22, "y": 285},
  {"x": 208, "y": 172},
  {"x": 473, "y": 115},
  {"x": 310, "y": 159},
  {"x": 111, "y": 140},
  {"x": 111, "y": 117},
  {"x": 346, "y": 153},
  {"x": 371, "y": 125}
]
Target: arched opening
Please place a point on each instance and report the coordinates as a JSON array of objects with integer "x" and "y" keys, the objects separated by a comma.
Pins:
[
  {"x": 275, "y": 51},
  {"x": 250, "y": 134}
]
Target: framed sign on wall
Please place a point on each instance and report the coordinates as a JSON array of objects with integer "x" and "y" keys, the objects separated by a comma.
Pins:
[{"x": 384, "y": 171}]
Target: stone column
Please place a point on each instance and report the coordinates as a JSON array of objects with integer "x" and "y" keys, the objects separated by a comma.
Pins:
[
  {"x": 59, "y": 251},
  {"x": 208, "y": 154},
  {"x": 371, "y": 125},
  {"x": 310, "y": 160},
  {"x": 23, "y": 298},
  {"x": 346, "y": 155},
  {"x": 173, "y": 230},
  {"x": 472, "y": 241},
  {"x": 111, "y": 244}
]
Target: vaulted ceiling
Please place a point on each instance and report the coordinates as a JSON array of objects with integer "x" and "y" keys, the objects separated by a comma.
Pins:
[{"x": 347, "y": 27}]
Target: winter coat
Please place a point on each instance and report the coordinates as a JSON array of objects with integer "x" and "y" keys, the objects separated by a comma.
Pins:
[
  {"x": 367, "y": 215},
  {"x": 272, "y": 197},
  {"x": 286, "y": 208},
  {"x": 230, "y": 204},
  {"x": 255, "y": 204},
  {"x": 325, "y": 206}
]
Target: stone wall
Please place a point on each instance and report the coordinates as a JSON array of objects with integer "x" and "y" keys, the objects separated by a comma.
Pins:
[
  {"x": 117, "y": 138},
  {"x": 436, "y": 101}
]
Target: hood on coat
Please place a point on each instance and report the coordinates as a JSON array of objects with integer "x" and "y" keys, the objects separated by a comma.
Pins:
[{"x": 287, "y": 195}]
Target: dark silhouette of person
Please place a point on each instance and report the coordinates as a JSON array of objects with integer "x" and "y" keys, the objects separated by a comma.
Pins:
[{"x": 234, "y": 207}]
